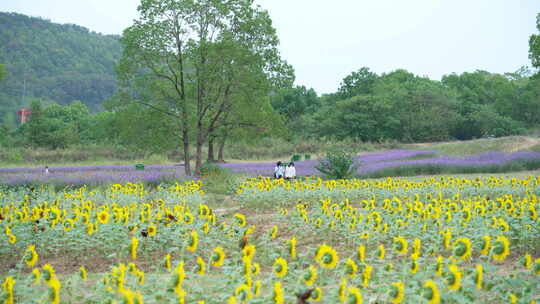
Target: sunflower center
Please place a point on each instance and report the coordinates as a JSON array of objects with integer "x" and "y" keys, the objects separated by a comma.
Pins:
[
  {"x": 498, "y": 248},
  {"x": 428, "y": 293},
  {"x": 460, "y": 249},
  {"x": 327, "y": 258},
  {"x": 394, "y": 292}
]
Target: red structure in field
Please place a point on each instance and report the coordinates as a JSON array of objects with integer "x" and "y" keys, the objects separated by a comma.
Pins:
[{"x": 24, "y": 115}]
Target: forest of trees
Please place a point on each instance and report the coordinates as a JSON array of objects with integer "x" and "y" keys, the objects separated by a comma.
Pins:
[
  {"x": 173, "y": 88},
  {"x": 58, "y": 63}
]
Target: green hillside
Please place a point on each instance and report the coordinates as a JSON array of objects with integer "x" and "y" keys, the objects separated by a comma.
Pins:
[{"x": 54, "y": 62}]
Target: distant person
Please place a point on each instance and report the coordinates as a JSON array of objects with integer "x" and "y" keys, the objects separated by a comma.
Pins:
[
  {"x": 279, "y": 170},
  {"x": 46, "y": 171},
  {"x": 290, "y": 171}
]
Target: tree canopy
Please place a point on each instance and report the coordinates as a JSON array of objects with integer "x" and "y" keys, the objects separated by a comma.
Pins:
[{"x": 196, "y": 61}]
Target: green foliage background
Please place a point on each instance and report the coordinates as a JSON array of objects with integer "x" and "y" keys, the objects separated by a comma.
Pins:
[
  {"x": 54, "y": 62},
  {"x": 66, "y": 74}
]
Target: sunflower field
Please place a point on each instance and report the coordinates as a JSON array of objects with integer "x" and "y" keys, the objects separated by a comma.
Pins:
[{"x": 420, "y": 240}]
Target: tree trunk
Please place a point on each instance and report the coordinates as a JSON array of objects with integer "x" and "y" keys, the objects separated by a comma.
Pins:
[
  {"x": 198, "y": 157},
  {"x": 211, "y": 158},
  {"x": 221, "y": 156},
  {"x": 185, "y": 139}
]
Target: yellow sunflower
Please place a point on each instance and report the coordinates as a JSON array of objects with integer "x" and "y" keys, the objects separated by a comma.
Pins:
[
  {"x": 200, "y": 266},
  {"x": 273, "y": 233},
  {"x": 366, "y": 275},
  {"x": 12, "y": 239},
  {"x": 439, "y": 266},
  {"x": 362, "y": 253},
  {"x": 218, "y": 256},
  {"x": 536, "y": 267},
  {"x": 414, "y": 265},
  {"x": 527, "y": 261},
  {"x": 416, "y": 248},
  {"x": 486, "y": 245},
  {"x": 350, "y": 268},
  {"x": 36, "y": 274},
  {"x": 317, "y": 294},
  {"x": 240, "y": 219},
  {"x": 188, "y": 218},
  {"x": 355, "y": 296},
  {"x": 249, "y": 251},
  {"x": 83, "y": 273},
  {"x": 501, "y": 248},
  {"x": 193, "y": 241},
  {"x": 326, "y": 256},
  {"x": 8, "y": 284},
  {"x": 292, "y": 248},
  {"x": 478, "y": 276},
  {"x": 255, "y": 269},
  {"x": 280, "y": 267},
  {"x": 55, "y": 285},
  {"x": 513, "y": 298},
  {"x": 48, "y": 273},
  {"x": 103, "y": 217},
  {"x": 310, "y": 276},
  {"x": 68, "y": 224},
  {"x": 453, "y": 278},
  {"x": 447, "y": 237},
  {"x": 277, "y": 296},
  {"x": 381, "y": 252},
  {"x": 168, "y": 262},
  {"x": 257, "y": 288},
  {"x": 243, "y": 293},
  {"x": 134, "y": 245},
  {"x": 401, "y": 245},
  {"x": 342, "y": 290},
  {"x": 31, "y": 256},
  {"x": 463, "y": 248},
  {"x": 431, "y": 292},
  {"x": 152, "y": 229},
  {"x": 397, "y": 292},
  {"x": 178, "y": 278},
  {"x": 140, "y": 277}
]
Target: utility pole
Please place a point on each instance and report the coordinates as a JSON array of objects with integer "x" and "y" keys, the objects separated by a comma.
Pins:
[{"x": 24, "y": 90}]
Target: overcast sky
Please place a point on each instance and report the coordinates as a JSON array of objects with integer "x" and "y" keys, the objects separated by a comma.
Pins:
[{"x": 325, "y": 41}]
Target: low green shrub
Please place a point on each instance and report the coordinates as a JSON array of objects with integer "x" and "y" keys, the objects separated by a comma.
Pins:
[{"x": 337, "y": 164}]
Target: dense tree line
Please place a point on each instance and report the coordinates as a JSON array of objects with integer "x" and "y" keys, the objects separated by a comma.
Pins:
[
  {"x": 55, "y": 62},
  {"x": 402, "y": 106}
]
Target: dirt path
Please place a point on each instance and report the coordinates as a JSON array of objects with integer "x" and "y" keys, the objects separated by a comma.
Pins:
[{"x": 527, "y": 143}]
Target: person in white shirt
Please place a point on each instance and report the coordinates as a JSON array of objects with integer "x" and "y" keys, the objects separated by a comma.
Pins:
[
  {"x": 279, "y": 170},
  {"x": 290, "y": 171}
]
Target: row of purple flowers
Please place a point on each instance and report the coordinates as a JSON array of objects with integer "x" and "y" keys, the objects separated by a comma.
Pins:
[
  {"x": 373, "y": 162},
  {"x": 367, "y": 163},
  {"x": 87, "y": 168}
]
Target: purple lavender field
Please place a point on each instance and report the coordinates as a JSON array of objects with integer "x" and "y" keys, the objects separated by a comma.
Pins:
[
  {"x": 91, "y": 175},
  {"x": 367, "y": 165},
  {"x": 374, "y": 162}
]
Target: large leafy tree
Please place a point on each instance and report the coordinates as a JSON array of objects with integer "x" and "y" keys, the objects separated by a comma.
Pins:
[
  {"x": 187, "y": 59},
  {"x": 534, "y": 45}
]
